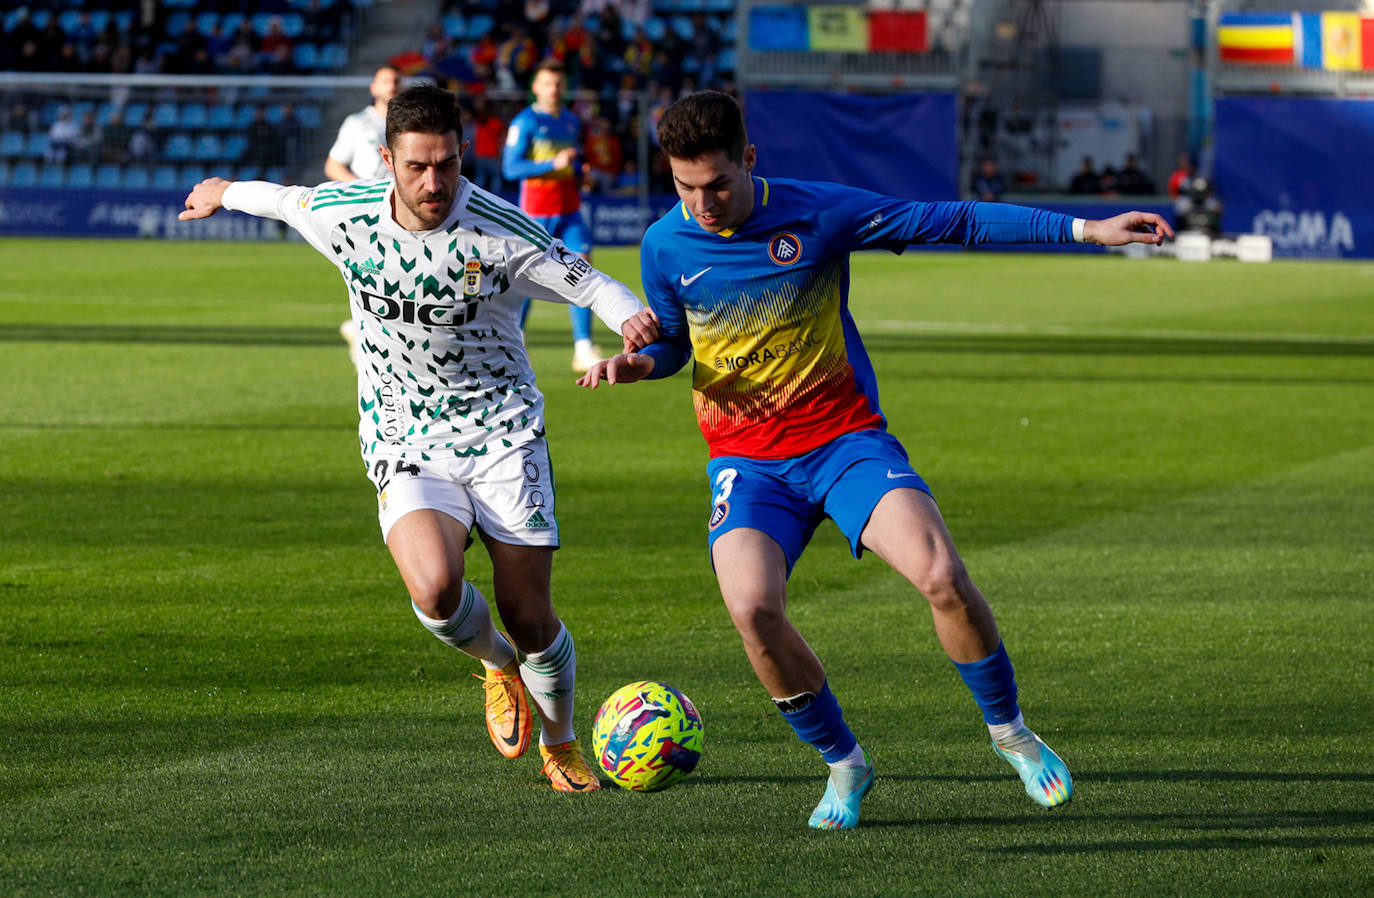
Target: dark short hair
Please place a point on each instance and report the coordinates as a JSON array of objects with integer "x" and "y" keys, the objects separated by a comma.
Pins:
[
  {"x": 422, "y": 109},
  {"x": 549, "y": 65},
  {"x": 702, "y": 123}
]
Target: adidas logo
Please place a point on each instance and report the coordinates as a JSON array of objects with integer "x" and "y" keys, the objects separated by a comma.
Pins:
[{"x": 537, "y": 522}]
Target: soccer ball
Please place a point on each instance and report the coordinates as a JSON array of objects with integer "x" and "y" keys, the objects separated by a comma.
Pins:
[{"x": 647, "y": 736}]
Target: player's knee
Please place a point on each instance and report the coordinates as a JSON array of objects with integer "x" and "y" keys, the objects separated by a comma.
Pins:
[
  {"x": 756, "y": 617},
  {"x": 437, "y": 593},
  {"x": 944, "y": 582}
]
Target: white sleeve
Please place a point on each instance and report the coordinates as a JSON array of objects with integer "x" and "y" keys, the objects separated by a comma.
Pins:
[
  {"x": 344, "y": 145},
  {"x": 267, "y": 200},
  {"x": 561, "y": 275}
]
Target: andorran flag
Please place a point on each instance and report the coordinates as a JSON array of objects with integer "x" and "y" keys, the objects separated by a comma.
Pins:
[
  {"x": 1256, "y": 38},
  {"x": 1341, "y": 41}
]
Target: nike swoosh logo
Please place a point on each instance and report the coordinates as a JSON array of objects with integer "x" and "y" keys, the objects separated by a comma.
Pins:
[
  {"x": 514, "y": 738},
  {"x": 893, "y": 476},
  {"x": 687, "y": 281}
]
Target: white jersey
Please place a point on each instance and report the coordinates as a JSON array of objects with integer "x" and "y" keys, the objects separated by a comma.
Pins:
[
  {"x": 442, "y": 367},
  {"x": 359, "y": 144}
]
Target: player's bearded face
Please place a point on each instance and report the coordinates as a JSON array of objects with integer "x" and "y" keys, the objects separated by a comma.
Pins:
[
  {"x": 717, "y": 190},
  {"x": 426, "y": 168}
]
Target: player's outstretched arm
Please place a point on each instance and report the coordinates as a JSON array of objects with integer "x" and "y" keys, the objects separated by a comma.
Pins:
[
  {"x": 625, "y": 368},
  {"x": 1128, "y": 227},
  {"x": 205, "y": 199}
]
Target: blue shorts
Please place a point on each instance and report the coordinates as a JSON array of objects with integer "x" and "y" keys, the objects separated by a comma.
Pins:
[
  {"x": 788, "y": 498},
  {"x": 570, "y": 228}
]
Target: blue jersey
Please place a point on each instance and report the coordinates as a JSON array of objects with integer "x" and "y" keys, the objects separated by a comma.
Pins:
[
  {"x": 532, "y": 140},
  {"x": 763, "y": 310}
]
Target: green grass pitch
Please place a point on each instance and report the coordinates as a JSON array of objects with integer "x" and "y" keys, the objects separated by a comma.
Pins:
[{"x": 1161, "y": 474}]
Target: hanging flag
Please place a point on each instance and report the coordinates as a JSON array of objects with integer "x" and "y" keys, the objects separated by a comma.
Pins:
[
  {"x": 1256, "y": 38},
  {"x": 1341, "y": 40}
]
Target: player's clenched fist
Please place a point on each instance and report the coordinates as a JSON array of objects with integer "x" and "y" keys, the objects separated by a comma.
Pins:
[
  {"x": 205, "y": 199},
  {"x": 639, "y": 330}
]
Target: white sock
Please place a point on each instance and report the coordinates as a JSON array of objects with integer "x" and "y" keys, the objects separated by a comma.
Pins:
[
  {"x": 582, "y": 345},
  {"x": 854, "y": 759},
  {"x": 549, "y": 677},
  {"x": 1014, "y": 736},
  {"x": 471, "y": 631}
]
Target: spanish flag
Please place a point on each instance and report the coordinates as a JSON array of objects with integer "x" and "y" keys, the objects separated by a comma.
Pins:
[{"x": 1256, "y": 38}]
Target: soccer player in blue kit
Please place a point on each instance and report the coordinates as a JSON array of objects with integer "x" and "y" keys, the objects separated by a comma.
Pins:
[
  {"x": 542, "y": 149},
  {"x": 749, "y": 278}
]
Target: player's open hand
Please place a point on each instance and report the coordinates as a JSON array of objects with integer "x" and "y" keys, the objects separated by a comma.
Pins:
[
  {"x": 205, "y": 199},
  {"x": 1128, "y": 227},
  {"x": 639, "y": 330},
  {"x": 625, "y": 368}
]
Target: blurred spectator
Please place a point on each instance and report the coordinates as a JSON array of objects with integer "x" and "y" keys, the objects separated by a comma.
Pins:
[
  {"x": 1181, "y": 175},
  {"x": 115, "y": 145},
  {"x": 987, "y": 184},
  {"x": 516, "y": 58},
  {"x": 436, "y": 43},
  {"x": 490, "y": 136},
  {"x": 62, "y": 136},
  {"x": 1131, "y": 180},
  {"x": 639, "y": 56},
  {"x": 628, "y": 182},
  {"x": 1087, "y": 180},
  {"x": 1106, "y": 182},
  {"x": 603, "y": 155},
  {"x": 262, "y": 140},
  {"x": 274, "y": 40},
  {"x": 142, "y": 148},
  {"x": 89, "y": 137},
  {"x": 356, "y": 152}
]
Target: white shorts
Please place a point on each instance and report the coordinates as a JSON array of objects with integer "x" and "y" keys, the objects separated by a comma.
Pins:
[{"x": 510, "y": 496}]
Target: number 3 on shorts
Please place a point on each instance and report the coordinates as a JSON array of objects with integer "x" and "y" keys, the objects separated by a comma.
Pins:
[{"x": 726, "y": 481}]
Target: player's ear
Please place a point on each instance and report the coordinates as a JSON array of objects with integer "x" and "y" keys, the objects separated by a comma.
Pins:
[
  {"x": 750, "y": 157},
  {"x": 463, "y": 148},
  {"x": 387, "y": 158}
]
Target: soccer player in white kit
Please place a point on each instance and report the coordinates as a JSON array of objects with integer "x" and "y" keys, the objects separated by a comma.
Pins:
[
  {"x": 357, "y": 154},
  {"x": 452, "y": 425}
]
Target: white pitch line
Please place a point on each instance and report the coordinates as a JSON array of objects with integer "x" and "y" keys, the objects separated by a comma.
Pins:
[{"x": 955, "y": 328}]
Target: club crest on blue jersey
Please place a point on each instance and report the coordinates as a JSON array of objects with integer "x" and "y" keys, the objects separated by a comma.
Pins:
[
  {"x": 718, "y": 515},
  {"x": 785, "y": 248}
]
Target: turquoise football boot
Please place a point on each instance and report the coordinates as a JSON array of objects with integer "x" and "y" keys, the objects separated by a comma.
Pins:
[
  {"x": 1046, "y": 777},
  {"x": 839, "y": 807}
]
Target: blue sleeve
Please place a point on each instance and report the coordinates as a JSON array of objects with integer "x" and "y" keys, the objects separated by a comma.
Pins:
[
  {"x": 674, "y": 345},
  {"x": 873, "y": 221},
  {"x": 514, "y": 164}
]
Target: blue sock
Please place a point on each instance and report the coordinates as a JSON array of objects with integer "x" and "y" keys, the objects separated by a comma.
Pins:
[
  {"x": 524, "y": 313},
  {"x": 821, "y": 725},
  {"x": 993, "y": 684},
  {"x": 581, "y": 322}
]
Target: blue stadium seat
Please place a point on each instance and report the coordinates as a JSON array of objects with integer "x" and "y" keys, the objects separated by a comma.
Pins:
[
  {"x": 24, "y": 174},
  {"x": 235, "y": 145},
  {"x": 207, "y": 147},
  {"x": 656, "y": 28},
  {"x": 222, "y": 117},
  {"x": 243, "y": 116},
  {"x": 293, "y": 23},
  {"x": 36, "y": 146},
  {"x": 81, "y": 175},
  {"x": 261, "y": 21},
  {"x": 165, "y": 177},
  {"x": 683, "y": 26},
  {"x": 193, "y": 116},
  {"x": 52, "y": 176},
  {"x": 177, "y": 24},
  {"x": 11, "y": 144},
  {"x": 99, "y": 19},
  {"x": 276, "y": 174},
  {"x": 206, "y": 22},
  {"x": 40, "y": 18},
  {"x": 103, "y": 113},
  {"x": 720, "y": 6},
  {"x": 309, "y": 116},
  {"x": 123, "y": 19},
  {"x": 455, "y": 26},
  {"x": 135, "y": 114},
  {"x": 727, "y": 59},
  {"x": 306, "y": 56},
  {"x": 276, "y": 114},
  {"x": 109, "y": 177},
  {"x": 192, "y": 175},
  {"x": 231, "y": 21},
  {"x": 165, "y": 115},
  {"x": 479, "y": 25},
  {"x": 135, "y": 178},
  {"x": 178, "y": 147},
  {"x": 69, "y": 19},
  {"x": 4, "y": 174},
  {"x": 248, "y": 173},
  {"x": 333, "y": 56}
]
